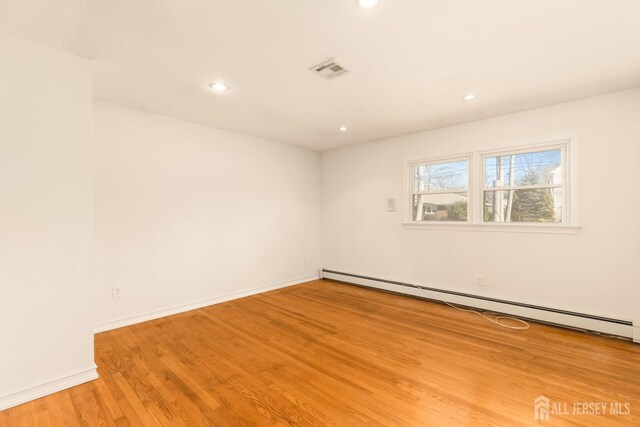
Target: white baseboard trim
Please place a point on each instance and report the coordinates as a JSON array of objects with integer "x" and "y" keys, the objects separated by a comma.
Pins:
[
  {"x": 617, "y": 327},
  {"x": 152, "y": 315},
  {"x": 46, "y": 389}
]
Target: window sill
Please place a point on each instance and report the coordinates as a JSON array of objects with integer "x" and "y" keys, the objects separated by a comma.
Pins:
[{"x": 506, "y": 228}]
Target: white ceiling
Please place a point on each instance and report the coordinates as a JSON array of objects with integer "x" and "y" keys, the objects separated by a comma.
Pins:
[{"x": 411, "y": 61}]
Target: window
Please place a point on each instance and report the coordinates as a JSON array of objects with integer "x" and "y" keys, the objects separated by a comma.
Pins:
[
  {"x": 524, "y": 186},
  {"x": 519, "y": 189},
  {"x": 440, "y": 190}
]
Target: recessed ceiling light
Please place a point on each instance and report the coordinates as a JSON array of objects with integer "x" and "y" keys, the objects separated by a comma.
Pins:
[
  {"x": 367, "y": 4},
  {"x": 469, "y": 97},
  {"x": 342, "y": 129},
  {"x": 219, "y": 87}
]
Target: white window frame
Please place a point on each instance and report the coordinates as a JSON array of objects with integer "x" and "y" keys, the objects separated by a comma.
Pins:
[
  {"x": 562, "y": 146},
  {"x": 476, "y": 188},
  {"x": 409, "y": 193}
]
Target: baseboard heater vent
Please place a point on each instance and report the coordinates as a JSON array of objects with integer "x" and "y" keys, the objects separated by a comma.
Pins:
[{"x": 588, "y": 322}]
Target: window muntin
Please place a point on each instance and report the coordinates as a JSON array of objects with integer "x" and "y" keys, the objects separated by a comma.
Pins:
[
  {"x": 440, "y": 191},
  {"x": 525, "y": 187}
]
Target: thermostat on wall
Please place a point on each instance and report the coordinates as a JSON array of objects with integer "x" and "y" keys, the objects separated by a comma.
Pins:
[{"x": 391, "y": 204}]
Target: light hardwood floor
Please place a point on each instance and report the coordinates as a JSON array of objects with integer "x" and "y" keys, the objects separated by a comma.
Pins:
[{"x": 325, "y": 353}]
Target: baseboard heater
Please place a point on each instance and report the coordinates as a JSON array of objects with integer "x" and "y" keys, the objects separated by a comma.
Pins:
[{"x": 587, "y": 322}]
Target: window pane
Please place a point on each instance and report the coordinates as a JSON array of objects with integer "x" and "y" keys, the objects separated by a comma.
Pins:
[
  {"x": 538, "y": 168},
  {"x": 440, "y": 207},
  {"x": 534, "y": 205},
  {"x": 441, "y": 176}
]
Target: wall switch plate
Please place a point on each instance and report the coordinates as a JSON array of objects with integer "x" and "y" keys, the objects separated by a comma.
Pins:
[{"x": 116, "y": 292}]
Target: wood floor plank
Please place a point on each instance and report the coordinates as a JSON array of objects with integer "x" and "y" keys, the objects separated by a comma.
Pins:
[{"x": 327, "y": 353}]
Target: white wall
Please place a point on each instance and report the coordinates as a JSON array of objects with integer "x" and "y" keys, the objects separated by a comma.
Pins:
[
  {"x": 45, "y": 217},
  {"x": 186, "y": 213},
  {"x": 594, "y": 271}
]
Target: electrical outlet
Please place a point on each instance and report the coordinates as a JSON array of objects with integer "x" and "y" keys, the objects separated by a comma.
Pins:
[
  {"x": 479, "y": 281},
  {"x": 116, "y": 292}
]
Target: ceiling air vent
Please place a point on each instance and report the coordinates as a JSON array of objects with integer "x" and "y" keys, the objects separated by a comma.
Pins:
[{"x": 329, "y": 69}]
